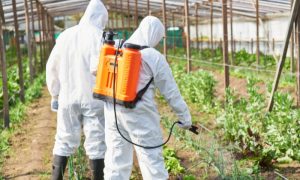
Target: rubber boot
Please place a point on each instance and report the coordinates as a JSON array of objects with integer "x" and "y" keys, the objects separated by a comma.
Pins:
[
  {"x": 97, "y": 167},
  {"x": 58, "y": 167}
]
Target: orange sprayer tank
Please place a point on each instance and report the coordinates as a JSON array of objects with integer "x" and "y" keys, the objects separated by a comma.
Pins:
[{"x": 126, "y": 77}]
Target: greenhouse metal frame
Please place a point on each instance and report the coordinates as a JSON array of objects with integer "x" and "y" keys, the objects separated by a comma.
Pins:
[{"x": 183, "y": 13}]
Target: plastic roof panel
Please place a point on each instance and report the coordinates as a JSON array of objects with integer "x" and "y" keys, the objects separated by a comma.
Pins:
[
  {"x": 52, "y": 7},
  {"x": 244, "y": 8}
]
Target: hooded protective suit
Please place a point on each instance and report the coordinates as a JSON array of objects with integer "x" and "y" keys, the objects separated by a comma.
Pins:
[
  {"x": 69, "y": 77},
  {"x": 142, "y": 124}
]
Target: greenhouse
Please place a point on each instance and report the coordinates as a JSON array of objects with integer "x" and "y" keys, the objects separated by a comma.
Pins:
[{"x": 230, "y": 68}]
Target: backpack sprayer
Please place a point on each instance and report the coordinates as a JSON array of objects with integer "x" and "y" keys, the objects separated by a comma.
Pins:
[
  {"x": 118, "y": 77},
  {"x": 118, "y": 73}
]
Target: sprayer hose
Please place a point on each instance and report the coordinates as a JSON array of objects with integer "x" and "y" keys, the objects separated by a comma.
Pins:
[{"x": 115, "y": 113}]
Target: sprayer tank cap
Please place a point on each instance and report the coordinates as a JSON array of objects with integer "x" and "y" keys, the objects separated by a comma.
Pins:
[{"x": 132, "y": 46}]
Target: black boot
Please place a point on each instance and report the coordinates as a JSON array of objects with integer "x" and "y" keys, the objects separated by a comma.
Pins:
[
  {"x": 97, "y": 167},
  {"x": 58, "y": 167}
]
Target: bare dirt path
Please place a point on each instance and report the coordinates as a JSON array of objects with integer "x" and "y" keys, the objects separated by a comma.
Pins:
[{"x": 31, "y": 146}]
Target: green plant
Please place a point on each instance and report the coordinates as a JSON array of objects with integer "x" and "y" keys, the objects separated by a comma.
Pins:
[
  {"x": 77, "y": 164},
  {"x": 34, "y": 91},
  {"x": 189, "y": 177},
  {"x": 13, "y": 83},
  {"x": 242, "y": 56},
  {"x": 172, "y": 162},
  {"x": 197, "y": 87}
]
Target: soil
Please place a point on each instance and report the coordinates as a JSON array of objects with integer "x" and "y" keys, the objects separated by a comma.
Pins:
[
  {"x": 237, "y": 84},
  {"x": 31, "y": 146}
]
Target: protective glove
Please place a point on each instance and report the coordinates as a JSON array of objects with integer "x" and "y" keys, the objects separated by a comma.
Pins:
[
  {"x": 54, "y": 104},
  {"x": 185, "y": 124}
]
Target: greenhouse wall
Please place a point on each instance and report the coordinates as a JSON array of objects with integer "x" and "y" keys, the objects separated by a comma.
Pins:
[{"x": 244, "y": 30}]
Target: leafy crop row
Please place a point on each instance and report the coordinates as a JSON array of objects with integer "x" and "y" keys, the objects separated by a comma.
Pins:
[
  {"x": 17, "y": 108},
  {"x": 240, "y": 58},
  {"x": 269, "y": 137},
  {"x": 17, "y": 114},
  {"x": 13, "y": 83}
]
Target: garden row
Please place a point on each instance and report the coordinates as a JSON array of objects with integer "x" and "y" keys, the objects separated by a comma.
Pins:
[
  {"x": 243, "y": 122},
  {"x": 17, "y": 108},
  {"x": 18, "y": 113}
]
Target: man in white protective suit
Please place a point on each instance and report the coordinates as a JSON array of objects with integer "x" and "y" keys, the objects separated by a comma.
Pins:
[
  {"x": 141, "y": 124},
  {"x": 70, "y": 79}
]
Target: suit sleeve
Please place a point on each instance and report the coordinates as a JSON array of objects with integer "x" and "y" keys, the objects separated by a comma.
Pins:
[
  {"x": 52, "y": 72},
  {"x": 95, "y": 47},
  {"x": 167, "y": 86}
]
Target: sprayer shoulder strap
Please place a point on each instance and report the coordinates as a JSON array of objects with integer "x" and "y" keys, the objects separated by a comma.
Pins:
[
  {"x": 143, "y": 91},
  {"x": 144, "y": 47}
]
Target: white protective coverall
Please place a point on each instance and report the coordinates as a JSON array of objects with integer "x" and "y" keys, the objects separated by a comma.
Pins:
[
  {"x": 142, "y": 124},
  {"x": 69, "y": 77}
]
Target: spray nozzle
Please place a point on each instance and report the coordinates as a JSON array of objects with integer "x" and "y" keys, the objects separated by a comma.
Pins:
[
  {"x": 109, "y": 37},
  {"x": 194, "y": 129}
]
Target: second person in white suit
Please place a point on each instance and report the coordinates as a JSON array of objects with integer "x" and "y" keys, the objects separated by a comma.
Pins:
[{"x": 70, "y": 82}]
